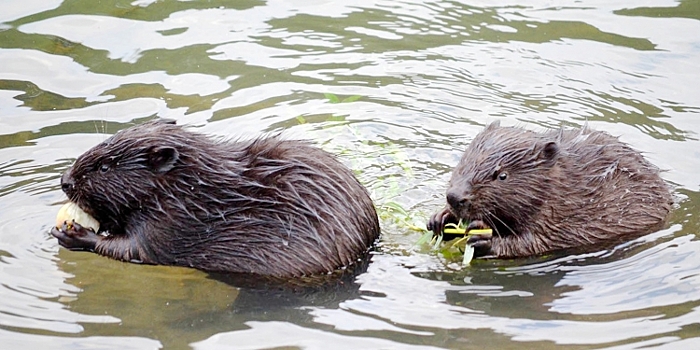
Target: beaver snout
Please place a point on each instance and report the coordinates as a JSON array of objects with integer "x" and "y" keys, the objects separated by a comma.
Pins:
[
  {"x": 458, "y": 201},
  {"x": 67, "y": 184}
]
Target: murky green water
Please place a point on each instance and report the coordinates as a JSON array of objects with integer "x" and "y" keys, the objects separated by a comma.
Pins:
[{"x": 398, "y": 88}]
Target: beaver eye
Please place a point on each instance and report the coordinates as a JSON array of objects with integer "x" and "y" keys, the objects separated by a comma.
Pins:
[
  {"x": 104, "y": 167},
  {"x": 498, "y": 174}
]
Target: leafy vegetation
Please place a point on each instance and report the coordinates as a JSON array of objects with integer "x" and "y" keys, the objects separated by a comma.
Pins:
[{"x": 390, "y": 211}]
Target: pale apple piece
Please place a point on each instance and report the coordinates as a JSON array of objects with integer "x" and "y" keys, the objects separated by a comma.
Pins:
[{"x": 71, "y": 212}]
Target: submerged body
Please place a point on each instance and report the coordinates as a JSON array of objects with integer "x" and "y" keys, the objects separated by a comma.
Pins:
[
  {"x": 542, "y": 192},
  {"x": 272, "y": 207}
]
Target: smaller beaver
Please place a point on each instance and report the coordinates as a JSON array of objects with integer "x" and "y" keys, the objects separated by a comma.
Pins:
[
  {"x": 555, "y": 190},
  {"x": 271, "y": 207}
]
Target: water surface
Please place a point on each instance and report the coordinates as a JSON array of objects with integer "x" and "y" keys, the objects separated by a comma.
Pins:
[{"x": 397, "y": 89}]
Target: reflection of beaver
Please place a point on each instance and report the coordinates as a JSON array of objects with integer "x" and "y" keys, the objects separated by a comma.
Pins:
[
  {"x": 167, "y": 196},
  {"x": 541, "y": 192}
]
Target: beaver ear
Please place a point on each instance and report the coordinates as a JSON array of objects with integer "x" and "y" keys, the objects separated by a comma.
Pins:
[
  {"x": 494, "y": 125},
  {"x": 162, "y": 159},
  {"x": 549, "y": 151}
]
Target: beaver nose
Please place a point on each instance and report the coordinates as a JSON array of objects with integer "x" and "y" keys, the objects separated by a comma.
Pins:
[
  {"x": 456, "y": 200},
  {"x": 67, "y": 183}
]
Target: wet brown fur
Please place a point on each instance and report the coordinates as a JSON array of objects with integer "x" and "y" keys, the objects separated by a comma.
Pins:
[
  {"x": 266, "y": 206},
  {"x": 562, "y": 189}
]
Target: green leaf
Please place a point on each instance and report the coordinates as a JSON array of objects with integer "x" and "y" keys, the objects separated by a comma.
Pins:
[
  {"x": 437, "y": 242},
  {"x": 396, "y": 207},
  {"x": 331, "y": 97},
  {"x": 468, "y": 254},
  {"x": 425, "y": 238}
]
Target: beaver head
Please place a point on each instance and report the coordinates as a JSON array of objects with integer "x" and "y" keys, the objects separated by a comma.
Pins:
[
  {"x": 503, "y": 178},
  {"x": 120, "y": 175}
]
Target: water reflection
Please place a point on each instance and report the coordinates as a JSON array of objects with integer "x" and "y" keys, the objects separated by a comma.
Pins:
[
  {"x": 426, "y": 76},
  {"x": 628, "y": 288},
  {"x": 285, "y": 334}
]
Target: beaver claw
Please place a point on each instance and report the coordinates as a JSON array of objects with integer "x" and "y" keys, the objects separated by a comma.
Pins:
[
  {"x": 438, "y": 221},
  {"x": 477, "y": 225},
  {"x": 481, "y": 243},
  {"x": 75, "y": 237}
]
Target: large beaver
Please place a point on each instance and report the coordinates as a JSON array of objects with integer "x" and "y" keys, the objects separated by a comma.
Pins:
[
  {"x": 541, "y": 192},
  {"x": 271, "y": 207}
]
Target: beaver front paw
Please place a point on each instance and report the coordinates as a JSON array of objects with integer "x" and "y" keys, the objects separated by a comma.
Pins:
[
  {"x": 480, "y": 242},
  {"x": 482, "y": 245},
  {"x": 438, "y": 221},
  {"x": 75, "y": 237},
  {"x": 477, "y": 225}
]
